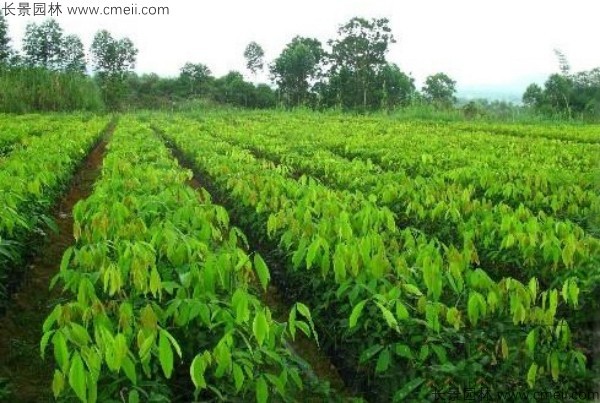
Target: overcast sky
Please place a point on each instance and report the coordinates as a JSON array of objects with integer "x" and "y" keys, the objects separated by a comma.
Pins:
[{"x": 479, "y": 43}]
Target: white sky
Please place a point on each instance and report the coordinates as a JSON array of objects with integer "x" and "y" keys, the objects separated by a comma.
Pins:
[{"x": 479, "y": 43}]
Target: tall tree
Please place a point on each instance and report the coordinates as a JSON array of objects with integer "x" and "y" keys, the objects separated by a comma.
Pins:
[
  {"x": 195, "y": 77},
  {"x": 557, "y": 92},
  {"x": 297, "y": 67},
  {"x": 5, "y": 49},
  {"x": 73, "y": 55},
  {"x": 361, "y": 49},
  {"x": 232, "y": 89},
  {"x": 397, "y": 88},
  {"x": 533, "y": 96},
  {"x": 254, "y": 55},
  {"x": 440, "y": 89},
  {"x": 112, "y": 61},
  {"x": 43, "y": 45}
]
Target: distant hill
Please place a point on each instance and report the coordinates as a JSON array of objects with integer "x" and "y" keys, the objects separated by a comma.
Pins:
[{"x": 509, "y": 92}]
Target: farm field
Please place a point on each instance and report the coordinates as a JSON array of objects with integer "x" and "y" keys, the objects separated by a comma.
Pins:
[{"x": 215, "y": 254}]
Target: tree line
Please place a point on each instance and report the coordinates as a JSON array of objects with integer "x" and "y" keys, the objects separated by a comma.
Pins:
[
  {"x": 349, "y": 72},
  {"x": 566, "y": 94}
]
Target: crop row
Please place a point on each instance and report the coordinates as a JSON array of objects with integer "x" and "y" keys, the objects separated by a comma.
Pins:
[
  {"x": 17, "y": 130},
  {"x": 160, "y": 292},
  {"x": 32, "y": 178},
  {"x": 407, "y": 312},
  {"x": 498, "y": 169},
  {"x": 507, "y": 241}
]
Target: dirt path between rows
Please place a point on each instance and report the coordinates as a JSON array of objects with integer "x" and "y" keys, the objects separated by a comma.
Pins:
[{"x": 28, "y": 377}]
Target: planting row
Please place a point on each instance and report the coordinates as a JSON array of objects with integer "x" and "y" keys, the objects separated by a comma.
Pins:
[
  {"x": 496, "y": 168},
  {"x": 32, "y": 178},
  {"x": 507, "y": 241},
  {"x": 160, "y": 292},
  {"x": 17, "y": 130},
  {"x": 408, "y": 314}
]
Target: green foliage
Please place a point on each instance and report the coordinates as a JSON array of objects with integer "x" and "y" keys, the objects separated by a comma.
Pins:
[
  {"x": 73, "y": 55},
  {"x": 26, "y": 90},
  {"x": 5, "y": 48},
  {"x": 42, "y": 45},
  {"x": 360, "y": 52},
  {"x": 296, "y": 69},
  {"x": 428, "y": 273},
  {"x": 32, "y": 177},
  {"x": 567, "y": 95},
  {"x": 158, "y": 281},
  {"x": 112, "y": 60},
  {"x": 439, "y": 89},
  {"x": 197, "y": 77},
  {"x": 254, "y": 55}
]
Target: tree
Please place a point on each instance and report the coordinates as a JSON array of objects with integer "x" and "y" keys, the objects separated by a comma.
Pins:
[
  {"x": 439, "y": 89},
  {"x": 361, "y": 49},
  {"x": 397, "y": 88},
  {"x": 5, "y": 49},
  {"x": 43, "y": 45},
  {"x": 533, "y": 96},
  {"x": 265, "y": 97},
  {"x": 73, "y": 55},
  {"x": 557, "y": 91},
  {"x": 195, "y": 77},
  {"x": 297, "y": 67},
  {"x": 254, "y": 55},
  {"x": 232, "y": 89},
  {"x": 112, "y": 60}
]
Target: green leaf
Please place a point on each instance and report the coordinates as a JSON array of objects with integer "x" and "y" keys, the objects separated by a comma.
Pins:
[
  {"x": 173, "y": 342},
  {"x": 77, "y": 377},
  {"x": 262, "y": 390},
  {"x": 238, "y": 377},
  {"x": 58, "y": 383},
  {"x": 504, "y": 348},
  {"x": 197, "y": 371},
  {"x": 262, "y": 270},
  {"x": 531, "y": 374},
  {"x": 404, "y": 351},
  {"x": 165, "y": 354},
  {"x": 356, "y": 311},
  {"x": 260, "y": 327},
  {"x": 44, "y": 342},
  {"x": 412, "y": 289},
  {"x": 66, "y": 258},
  {"x": 407, "y": 389},
  {"x": 453, "y": 317},
  {"x": 292, "y": 322},
  {"x": 129, "y": 368},
  {"x": 312, "y": 252},
  {"x": 401, "y": 311},
  {"x": 473, "y": 308},
  {"x": 240, "y": 303},
  {"x": 383, "y": 362},
  {"x": 370, "y": 352},
  {"x": 51, "y": 319},
  {"x": 554, "y": 366},
  {"x": 303, "y": 309},
  {"x": 61, "y": 352},
  {"x": 574, "y": 293},
  {"x": 530, "y": 343},
  {"x": 388, "y": 316},
  {"x": 134, "y": 397}
]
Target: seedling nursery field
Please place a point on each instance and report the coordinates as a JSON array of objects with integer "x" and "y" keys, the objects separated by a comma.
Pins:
[{"x": 297, "y": 256}]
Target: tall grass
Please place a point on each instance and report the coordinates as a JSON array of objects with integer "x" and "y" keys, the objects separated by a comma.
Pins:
[{"x": 25, "y": 90}]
